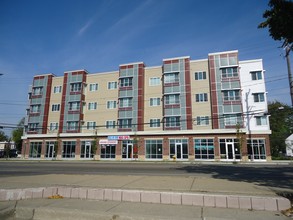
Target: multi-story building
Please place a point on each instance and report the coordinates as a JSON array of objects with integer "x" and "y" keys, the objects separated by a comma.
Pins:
[{"x": 209, "y": 109}]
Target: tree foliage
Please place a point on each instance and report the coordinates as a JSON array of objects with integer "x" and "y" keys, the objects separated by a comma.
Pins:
[
  {"x": 17, "y": 133},
  {"x": 279, "y": 21},
  {"x": 3, "y": 136},
  {"x": 281, "y": 123}
]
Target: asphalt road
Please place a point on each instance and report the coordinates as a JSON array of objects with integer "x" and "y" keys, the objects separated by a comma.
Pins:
[{"x": 263, "y": 174}]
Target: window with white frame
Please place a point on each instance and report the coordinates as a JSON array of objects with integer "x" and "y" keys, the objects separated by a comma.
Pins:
[
  {"x": 256, "y": 75},
  {"x": 229, "y": 72},
  {"x": 171, "y": 77},
  {"x": 53, "y": 126},
  {"x": 72, "y": 125},
  {"x": 125, "y": 123},
  {"x": 261, "y": 120},
  {"x": 35, "y": 108},
  {"x": 125, "y": 82},
  {"x": 110, "y": 124},
  {"x": 55, "y": 107},
  {"x": 200, "y": 75},
  {"x": 112, "y": 85},
  {"x": 204, "y": 149},
  {"x": 202, "y": 120},
  {"x": 172, "y": 99},
  {"x": 155, "y": 101},
  {"x": 75, "y": 87},
  {"x": 92, "y": 106},
  {"x": 231, "y": 95},
  {"x": 125, "y": 102},
  {"x": 154, "y": 81},
  {"x": 111, "y": 104},
  {"x": 74, "y": 106},
  {"x": 155, "y": 123},
  {"x": 258, "y": 97},
  {"x": 91, "y": 125},
  {"x": 33, "y": 126},
  {"x": 231, "y": 120},
  {"x": 93, "y": 87},
  {"x": 38, "y": 90},
  {"x": 172, "y": 121},
  {"x": 201, "y": 97},
  {"x": 57, "y": 89}
]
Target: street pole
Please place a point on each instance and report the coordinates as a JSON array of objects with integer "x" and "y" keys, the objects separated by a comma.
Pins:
[{"x": 288, "y": 48}]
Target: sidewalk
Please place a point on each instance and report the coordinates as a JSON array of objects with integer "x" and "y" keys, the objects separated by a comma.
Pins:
[{"x": 139, "y": 197}]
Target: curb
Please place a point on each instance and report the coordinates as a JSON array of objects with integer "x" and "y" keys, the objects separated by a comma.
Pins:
[{"x": 155, "y": 197}]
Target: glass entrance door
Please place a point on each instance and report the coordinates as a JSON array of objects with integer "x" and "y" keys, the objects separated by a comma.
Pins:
[
  {"x": 178, "y": 148},
  {"x": 86, "y": 150},
  {"x": 127, "y": 151},
  {"x": 230, "y": 151},
  {"x": 50, "y": 151}
]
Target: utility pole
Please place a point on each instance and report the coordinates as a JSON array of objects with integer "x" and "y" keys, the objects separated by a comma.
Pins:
[{"x": 288, "y": 48}]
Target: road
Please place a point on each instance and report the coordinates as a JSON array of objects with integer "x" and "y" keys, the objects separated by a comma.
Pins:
[{"x": 262, "y": 174}]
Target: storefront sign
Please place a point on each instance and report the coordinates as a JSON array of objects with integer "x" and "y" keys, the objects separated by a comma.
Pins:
[
  {"x": 119, "y": 138},
  {"x": 109, "y": 142}
]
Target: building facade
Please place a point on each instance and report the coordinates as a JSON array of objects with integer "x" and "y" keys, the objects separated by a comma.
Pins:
[{"x": 210, "y": 109}]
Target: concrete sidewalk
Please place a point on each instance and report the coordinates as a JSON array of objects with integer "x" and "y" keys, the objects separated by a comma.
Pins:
[{"x": 136, "y": 192}]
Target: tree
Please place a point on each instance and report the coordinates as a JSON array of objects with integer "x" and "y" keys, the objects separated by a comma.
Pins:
[
  {"x": 17, "y": 133},
  {"x": 3, "y": 136},
  {"x": 281, "y": 123}
]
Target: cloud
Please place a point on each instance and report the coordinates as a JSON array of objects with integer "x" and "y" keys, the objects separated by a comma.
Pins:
[{"x": 85, "y": 27}]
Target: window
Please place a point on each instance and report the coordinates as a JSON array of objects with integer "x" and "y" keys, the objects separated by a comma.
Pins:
[
  {"x": 37, "y": 90},
  {"x": 53, "y": 126},
  {"x": 33, "y": 127},
  {"x": 92, "y": 106},
  {"x": 108, "y": 151},
  {"x": 72, "y": 125},
  {"x": 68, "y": 150},
  {"x": 200, "y": 75},
  {"x": 256, "y": 149},
  {"x": 232, "y": 95},
  {"x": 35, "y": 149},
  {"x": 35, "y": 108},
  {"x": 257, "y": 75},
  {"x": 155, "y": 101},
  {"x": 74, "y": 106},
  {"x": 173, "y": 121},
  {"x": 125, "y": 123},
  {"x": 232, "y": 120},
  {"x": 171, "y": 77},
  {"x": 155, "y": 122},
  {"x": 261, "y": 120},
  {"x": 112, "y": 85},
  {"x": 94, "y": 87},
  {"x": 154, "y": 81},
  {"x": 111, "y": 104},
  {"x": 125, "y": 102},
  {"x": 202, "y": 97},
  {"x": 154, "y": 149},
  {"x": 125, "y": 82},
  {"x": 172, "y": 99},
  {"x": 258, "y": 97},
  {"x": 75, "y": 87},
  {"x": 110, "y": 124},
  {"x": 229, "y": 72},
  {"x": 55, "y": 107},
  {"x": 57, "y": 89},
  {"x": 91, "y": 125},
  {"x": 204, "y": 149},
  {"x": 202, "y": 120}
]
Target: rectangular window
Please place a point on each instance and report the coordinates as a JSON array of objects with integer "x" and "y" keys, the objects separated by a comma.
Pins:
[
  {"x": 91, "y": 125},
  {"x": 75, "y": 87},
  {"x": 256, "y": 75},
  {"x": 202, "y": 97},
  {"x": 68, "y": 150},
  {"x": 37, "y": 90},
  {"x": 53, "y": 126},
  {"x": 108, "y": 151},
  {"x": 172, "y": 99},
  {"x": 261, "y": 120},
  {"x": 126, "y": 82},
  {"x": 111, "y": 104},
  {"x": 112, "y": 85},
  {"x": 73, "y": 106},
  {"x": 35, "y": 149},
  {"x": 35, "y": 108},
  {"x": 232, "y": 120},
  {"x": 93, "y": 87},
  {"x": 202, "y": 120},
  {"x": 110, "y": 124},
  {"x": 72, "y": 125},
  {"x": 231, "y": 95},
  {"x": 92, "y": 106},
  {"x": 55, "y": 107},
  {"x": 171, "y": 77},
  {"x": 155, "y": 101},
  {"x": 256, "y": 149},
  {"x": 204, "y": 149},
  {"x": 154, "y": 81},
  {"x": 33, "y": 127},
  {"x": 125, "y": 123},
  {"x": 173, "y": 121},
  {"x": 200, "y": 75},
  {"x": 155, "y": 123},
  {"x": 57, "y": 89},
  {"x": 154, "y": 149},
  {"x": 229, "y": 72},
  {"x": 258, "y": 97},
  {"x": 125, "y": 102}
]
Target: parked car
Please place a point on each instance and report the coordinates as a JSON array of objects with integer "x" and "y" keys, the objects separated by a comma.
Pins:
[{"x": 12, "y": 153}]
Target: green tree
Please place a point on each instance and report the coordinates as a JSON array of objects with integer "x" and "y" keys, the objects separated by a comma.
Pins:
[
  {"x": 281, "y": 123},
  {"x": 3, "y": 136},
  {"x": 17, "y": 133}
]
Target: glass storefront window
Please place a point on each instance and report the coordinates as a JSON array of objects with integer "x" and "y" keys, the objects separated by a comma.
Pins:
[
  {"x": 68, "y": 150},
  {"x": 204, "y": 149},
  {"x": 154, "y": 149},
  {"x": 35, "y": 149},
  {"x": 108, "y": 151},
  {"x": 178, "y": 148},
  {"x": 256, "y": 149}
]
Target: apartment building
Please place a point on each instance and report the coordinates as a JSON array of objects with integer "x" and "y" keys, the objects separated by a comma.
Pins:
[{"x": 187, "y": 110}]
